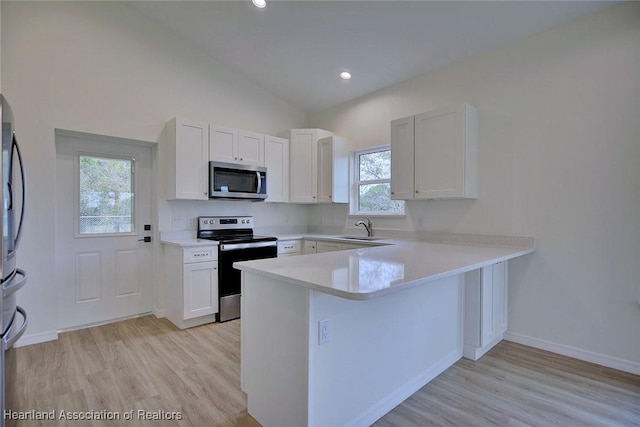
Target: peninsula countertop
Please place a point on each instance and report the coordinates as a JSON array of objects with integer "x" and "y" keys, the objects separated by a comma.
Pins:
[{"x": 366, "y": 273}]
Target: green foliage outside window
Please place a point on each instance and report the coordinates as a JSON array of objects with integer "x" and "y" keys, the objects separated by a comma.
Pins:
[{"x": 106, "y": 195}]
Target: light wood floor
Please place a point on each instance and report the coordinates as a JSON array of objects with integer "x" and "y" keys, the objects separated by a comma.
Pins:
[{"x": 148, "y": 364}]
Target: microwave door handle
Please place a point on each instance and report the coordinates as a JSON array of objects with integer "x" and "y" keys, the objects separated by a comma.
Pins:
[
  {"x": 23, "y": 179},
  {"x": 259, "y": 182}
]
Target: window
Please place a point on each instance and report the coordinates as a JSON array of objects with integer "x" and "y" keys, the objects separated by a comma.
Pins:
[
  {"x": 106, "y": 195},
  {"x": 371, "y": 193}
]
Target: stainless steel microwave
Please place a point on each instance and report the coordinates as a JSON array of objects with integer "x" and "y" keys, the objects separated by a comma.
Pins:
[{"x": 233, "y": 181}]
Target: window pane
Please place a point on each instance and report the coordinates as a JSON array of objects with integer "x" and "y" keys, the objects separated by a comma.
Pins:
[
  {"x": 375, "y": 165},
  {"x": 106, "y": 195},
  {"x": 377, "y": 198}
]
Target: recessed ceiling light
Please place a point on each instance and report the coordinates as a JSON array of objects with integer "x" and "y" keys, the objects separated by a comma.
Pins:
[
  {"x": 259, "y": 3},
  {"x": 345, "y": 75}
]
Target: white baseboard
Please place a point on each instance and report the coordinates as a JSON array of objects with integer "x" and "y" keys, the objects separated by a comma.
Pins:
[
  {"x": 577, "y": 353},
  {"x": 377, "y": 411},
  {"x": 159, "y": 313},
  {"x": 36, "y": 338}
]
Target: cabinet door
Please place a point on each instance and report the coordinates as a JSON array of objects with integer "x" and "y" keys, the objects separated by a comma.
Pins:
[
  {"x": 223, "y": 144},
  {"x": 289, "y": 247},
  {"x": 276, "y": 160},
  {"x": 333, "y": 170},
  {"x": 440, "y": 154},
  {"x": 309, "y": 247},
  {"x": 493, "y": 302},
  {"x": 325, "y": 170},
  {"x": 250, "y": 148},
  {"x": 402, "y": 158},
  {"x": 328, "y": 247},
  {"x": 200, "y": 284},
  {"x": 304, "y": 166},
  {"x": 190, "y": 151}
]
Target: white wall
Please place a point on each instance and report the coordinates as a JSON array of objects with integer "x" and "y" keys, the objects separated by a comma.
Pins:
[
  {"x": 99, "y": 67},
  {"x": 559, "y": 159}
]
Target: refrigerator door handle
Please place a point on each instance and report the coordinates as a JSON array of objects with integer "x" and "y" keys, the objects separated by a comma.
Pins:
[
  {"x": 15, "y": 284},
  {"x": 23, "y": 179},
  {"x": 9, "y": 341}
]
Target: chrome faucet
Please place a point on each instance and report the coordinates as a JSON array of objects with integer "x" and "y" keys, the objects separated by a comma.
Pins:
[{"x": 367, "y": 225}]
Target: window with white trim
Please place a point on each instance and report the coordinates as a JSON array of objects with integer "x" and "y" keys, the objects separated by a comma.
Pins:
[{"x": 371, "y": 189}]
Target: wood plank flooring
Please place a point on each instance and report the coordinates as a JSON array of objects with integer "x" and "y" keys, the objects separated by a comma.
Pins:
[{"x": 148, "y": 364}]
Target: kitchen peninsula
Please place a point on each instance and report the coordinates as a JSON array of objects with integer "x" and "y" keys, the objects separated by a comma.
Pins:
[{"x": 341, "y": 338}]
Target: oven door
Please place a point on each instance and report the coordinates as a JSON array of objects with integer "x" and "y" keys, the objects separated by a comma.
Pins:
[
  {"x": 229, "y": 277},
  {"x": 231, "y": 181}
]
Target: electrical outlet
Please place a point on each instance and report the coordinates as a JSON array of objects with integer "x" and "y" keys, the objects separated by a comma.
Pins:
[
  {"x": 177, "y": 222},
  {"x": 192, "y": 223},
  {"x": 323, "y": 332},
  {"x": 420, "y": 221}
]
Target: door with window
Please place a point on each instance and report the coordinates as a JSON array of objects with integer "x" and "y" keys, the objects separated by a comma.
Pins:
[{"x": 103, "y": 203}]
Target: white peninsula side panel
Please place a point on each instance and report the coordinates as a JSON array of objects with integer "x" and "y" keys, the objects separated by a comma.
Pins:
[{"x": 379, "y": 351}]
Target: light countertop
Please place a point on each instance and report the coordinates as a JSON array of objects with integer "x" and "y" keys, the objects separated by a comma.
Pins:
[
  {"x": 188, "y": 242},
  {"x": 366, "y": 273}
]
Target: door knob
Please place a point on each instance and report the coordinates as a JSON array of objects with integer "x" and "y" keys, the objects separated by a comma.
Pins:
[{"x": 145, "y": 239}]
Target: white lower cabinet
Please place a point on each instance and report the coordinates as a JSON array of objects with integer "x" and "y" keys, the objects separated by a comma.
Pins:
[
  {"x": 192, "y": 284},
  {"x": 289, "y": 247},
  {"x": 309, "y": 246},
  {"x": 328, "y": 247},
  {"x": 485, "y": 312}
]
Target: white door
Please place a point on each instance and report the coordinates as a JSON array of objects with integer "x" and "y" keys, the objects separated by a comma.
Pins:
[{"x": 103, "y": 202}]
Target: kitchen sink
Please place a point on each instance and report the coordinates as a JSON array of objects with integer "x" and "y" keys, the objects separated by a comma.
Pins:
[{"x": 369, "y": 239}]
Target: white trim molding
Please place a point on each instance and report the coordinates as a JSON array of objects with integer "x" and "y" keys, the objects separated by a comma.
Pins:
[
  {"x": 37, "y": 338},
  {"x": 577, "y": 353}
]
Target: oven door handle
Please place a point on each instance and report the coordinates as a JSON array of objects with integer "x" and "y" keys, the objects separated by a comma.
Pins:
[{"x": 237, "y": 246}]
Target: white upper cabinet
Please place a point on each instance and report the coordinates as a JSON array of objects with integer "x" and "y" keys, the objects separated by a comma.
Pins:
[
  {"x": 444, "y": 152},
  {"x": 276, "y": 160},
  {"x": 236, "y": 146},
  {"x": 304, "y": 164},
  {"x": 187, "y": 155},
  {"x": 250, "y": 148},
  {"x": 402, "y": 156},
  {"x": 333, "y": 170},
  {"x": 223, "y": 143}
]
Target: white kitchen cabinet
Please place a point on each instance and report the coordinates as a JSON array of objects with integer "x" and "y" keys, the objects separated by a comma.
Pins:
[
  {"x": 402, "y": 158},
  {"x": 304, "y": 164},
  {"x": 223, "y": 144},
  {"x": 485, "y": 302},
  {"x": 309, "y": 246},
  {"x": 231, "y": 145},
  {"x": 333, "y": 170},
  {"x": 186, "y": 151},
  {"x": 289, "y": 247},
  {"x": 192, "y": 284},
  {"x": 276, "y": 160},
  {"x": 445, "y": 151},
  {"x": 250, "y": 148},
  {"x": 322, "y": 246}
]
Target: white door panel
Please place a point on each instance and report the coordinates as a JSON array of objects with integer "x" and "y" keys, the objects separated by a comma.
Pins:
[{"x": 106, "y": 275}]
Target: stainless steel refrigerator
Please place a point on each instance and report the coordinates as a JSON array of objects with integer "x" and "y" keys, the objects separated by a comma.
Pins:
[{"x": 13, "y": 319}]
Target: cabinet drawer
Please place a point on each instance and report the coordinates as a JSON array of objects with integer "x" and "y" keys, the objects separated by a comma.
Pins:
[
  {"x": 200, "y": 254},
  {"x": 289, "y": 247}
]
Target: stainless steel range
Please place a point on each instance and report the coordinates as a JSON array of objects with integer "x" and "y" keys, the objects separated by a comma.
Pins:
[{"x": 236, "y": 242}]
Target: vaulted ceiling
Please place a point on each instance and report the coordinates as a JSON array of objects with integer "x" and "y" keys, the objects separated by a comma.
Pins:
[{"x": 296, "y": 49}]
